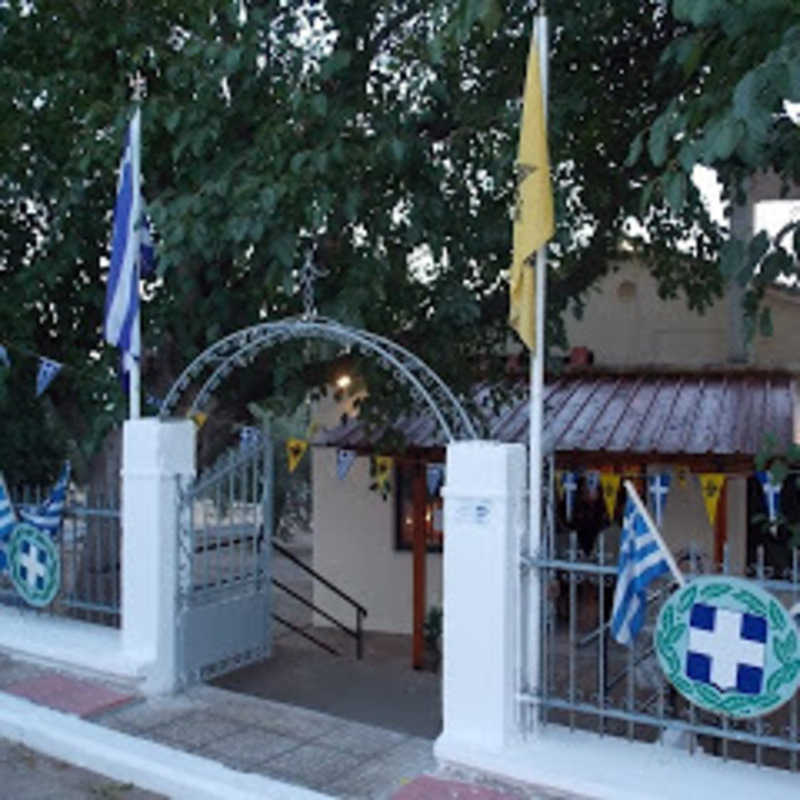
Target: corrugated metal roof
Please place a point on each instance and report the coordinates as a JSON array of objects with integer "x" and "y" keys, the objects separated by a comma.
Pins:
[{"x": 713, "y": 413}]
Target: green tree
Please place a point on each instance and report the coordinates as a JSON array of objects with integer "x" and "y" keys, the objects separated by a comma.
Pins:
[
  {"x": 380, "y": 135},
  {"x": 733, "y": 69}
]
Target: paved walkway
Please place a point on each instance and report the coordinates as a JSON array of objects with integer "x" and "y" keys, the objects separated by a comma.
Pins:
[
  {"x": 322, "y": 752},
  {"x": 28, "y": 775}
]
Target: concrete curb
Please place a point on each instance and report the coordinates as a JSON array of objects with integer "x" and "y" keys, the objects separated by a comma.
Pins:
[{"x": 127, "y": 758}]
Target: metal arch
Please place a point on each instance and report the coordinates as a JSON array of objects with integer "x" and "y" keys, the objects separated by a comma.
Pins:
[{"x": 240, "y": 348}]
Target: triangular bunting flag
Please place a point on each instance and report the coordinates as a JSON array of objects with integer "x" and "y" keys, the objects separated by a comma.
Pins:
[
  {"x": 4, "y": 357},
  {"x": 592, "y": 479},
  {"x": 48, "y": 369},
  {"x": 344, "y": 460},
  {"x": 682, "y": 473},
  {"x": 559, "y": 482},
  {"x": 658, "y": 488},
  {"x": 610, "y": 482},
  {"x": 199, "y": 418},
  {"x": 249, "y": 437},
  {"x": 772, "y": 495},
  {"x": 434, "y": 476},
  {"x": 8, "y": 519},
  {"x": 383, "y": 472},
  {"x": 569, "y": 486},
  {"x": 711, "y": 484},
  {"x": 295, "y": 450}
]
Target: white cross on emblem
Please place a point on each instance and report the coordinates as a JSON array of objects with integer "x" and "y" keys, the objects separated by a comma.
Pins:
[{"x": 34, "y": 569}]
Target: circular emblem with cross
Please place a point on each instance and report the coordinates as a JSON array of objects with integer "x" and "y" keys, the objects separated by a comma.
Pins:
[
  {"x": 729, "y": 646},
  {"x": 33, "y": 564}
]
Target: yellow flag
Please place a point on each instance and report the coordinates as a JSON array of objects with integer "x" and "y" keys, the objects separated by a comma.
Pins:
[
  {"x": 295, "y": 450},
  {"x": 559, "y": 476},
  {"x": 383, "y": 471},
  {"x": 533, "y": 212},
  {"x": 199, "y": 418},
  {"x": 711, "y": 484},
  {"x": 682, "y": 474},
  {"x": 609, "y": 481}
]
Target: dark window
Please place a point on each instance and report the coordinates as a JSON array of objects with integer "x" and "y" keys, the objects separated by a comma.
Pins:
[
  {"x": 434, "y": 512},
  {"x": 777, "y": 543}
]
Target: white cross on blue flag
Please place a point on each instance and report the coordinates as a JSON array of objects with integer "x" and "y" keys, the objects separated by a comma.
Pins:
[
  {"x": 658, "y": 488},
  {"x": 772, "y": 493},
  {"x": 8, "y": 519},
  {"x": 641, "y": 561}
]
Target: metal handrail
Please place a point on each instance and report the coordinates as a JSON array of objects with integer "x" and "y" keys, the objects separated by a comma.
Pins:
[
  {"x": 314, "y": 574},
  {"x": 358, "y": 632}
]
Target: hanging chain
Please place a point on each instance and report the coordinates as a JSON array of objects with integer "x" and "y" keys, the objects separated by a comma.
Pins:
[{"x": 308, "y": 276}]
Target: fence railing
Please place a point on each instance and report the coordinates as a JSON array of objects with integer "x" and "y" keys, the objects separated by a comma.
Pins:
[
  {"x": 590, "y": 682},
  {"x": 89, "y": 546}
]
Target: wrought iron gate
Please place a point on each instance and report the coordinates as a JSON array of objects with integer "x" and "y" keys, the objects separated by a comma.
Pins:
[{"x": 225, "y": 527}]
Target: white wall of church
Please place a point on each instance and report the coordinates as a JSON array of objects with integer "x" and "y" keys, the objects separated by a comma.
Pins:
[
  {"x": 626, "y": 324},
  {"x": 354, "y": 535}
]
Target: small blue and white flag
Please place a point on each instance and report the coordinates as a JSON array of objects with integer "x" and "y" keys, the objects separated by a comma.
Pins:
[
  {"x": 47, "y": 516},
  {"x": 8, "y": 519},
  {"x": 132, "y": 252},
  {"x": 569, "y": 483},
  {"x": 434, "y": 478},
  {"x": 772, "y": 493},
  {"x": 48, "y": 369},
  {"x": 641, "y": 561},
  {"x": 658, "y": 488},
  {"x": 344, "y": 460},
  {"x": 4, "y": 357}
]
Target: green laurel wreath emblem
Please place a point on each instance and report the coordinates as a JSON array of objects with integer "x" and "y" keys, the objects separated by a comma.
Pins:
[
  {"x": 34, "y": 537},
  {"x": 782, "y": 660}
]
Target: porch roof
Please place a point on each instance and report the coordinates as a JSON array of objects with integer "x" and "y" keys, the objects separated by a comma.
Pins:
[{"x": 717, "y": 413}]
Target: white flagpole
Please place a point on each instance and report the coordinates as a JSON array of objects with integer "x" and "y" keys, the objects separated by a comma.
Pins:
[
  {"x": 535, "y": 454},
  {"x": 640, "y": 507},
  {"x": 134, "y": 373}
]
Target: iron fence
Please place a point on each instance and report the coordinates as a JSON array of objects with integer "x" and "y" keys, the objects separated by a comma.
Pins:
[
  {"x": 588, "y": 681},
  {"x": 89, "y": 546}
]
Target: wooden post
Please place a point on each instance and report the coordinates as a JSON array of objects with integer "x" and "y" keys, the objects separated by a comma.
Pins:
[
  {"x": 721, "y": 526},
  {"x": 419, "y": 496}
]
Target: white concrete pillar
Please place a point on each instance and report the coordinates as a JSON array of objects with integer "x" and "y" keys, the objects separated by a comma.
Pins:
[
  {"x": 484, "y": 510},
  {"x": 154, "y": 453}
]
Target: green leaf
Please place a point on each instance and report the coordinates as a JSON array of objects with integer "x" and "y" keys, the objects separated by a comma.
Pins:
[
  {"x": 687, "y": 600},
  {"x": 778, "y": 262},
  {"x": 675, "y": 190},
  {"x": 658, "y": 141},
  {"x": 776, "y": 617},
  {"x": 715, "y": 590},
  {"x": 173, "y": 120},
  {"x": 319, "y": 105},
  {"x": 637, "y": 145},
  {"x": 725, "y": 137},
  {"x": 758, "y": 247}
]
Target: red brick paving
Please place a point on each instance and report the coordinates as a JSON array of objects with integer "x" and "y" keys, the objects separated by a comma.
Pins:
[
  {"x": 428, "y": 788},
  {"x": 69, "y": 694}
]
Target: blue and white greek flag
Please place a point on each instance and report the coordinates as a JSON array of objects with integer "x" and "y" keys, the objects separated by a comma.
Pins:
[
  {"x": 4, "y": 357},
  {"x": 8, "y": 519},
  {"x": 122, "y": 293},
  {"x": 772, "y": 493},
  {"x": 47, "y": 516},
  {"x": 641, "y": 561}
]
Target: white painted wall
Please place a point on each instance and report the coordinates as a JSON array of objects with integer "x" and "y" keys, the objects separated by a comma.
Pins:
[
  {"x": 354, "y": 534},
  {"x": 626, "y": 324}
]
